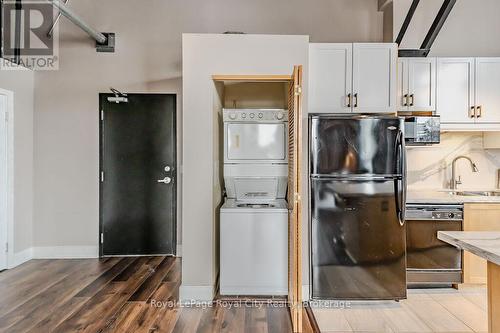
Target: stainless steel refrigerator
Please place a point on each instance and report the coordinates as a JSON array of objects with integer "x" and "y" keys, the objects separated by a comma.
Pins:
[{"x": 358, "y": 195}]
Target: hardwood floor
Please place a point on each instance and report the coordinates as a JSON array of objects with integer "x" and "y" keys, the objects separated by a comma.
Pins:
[{"x": 120, "y": 295}]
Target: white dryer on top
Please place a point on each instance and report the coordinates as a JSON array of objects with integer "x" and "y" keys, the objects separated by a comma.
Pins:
[{"x": 255, "y": 136}]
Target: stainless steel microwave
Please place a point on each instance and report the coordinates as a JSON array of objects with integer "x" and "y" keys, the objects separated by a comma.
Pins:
[{"x": 422, "y": 130}]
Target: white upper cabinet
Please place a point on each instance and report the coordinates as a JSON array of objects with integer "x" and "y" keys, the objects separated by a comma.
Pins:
[
  {"x": 416, "y": 84},
  {"x": 374, "y": 77},
  {"x": 346, "y": 78},
  {"x": 455, "y": 90},
  {"x": 402, "y": 80},
  {"x": 468, "y": 95},
  {"x": 487, "y": 90},
  {"x": 330, "y": 77}
]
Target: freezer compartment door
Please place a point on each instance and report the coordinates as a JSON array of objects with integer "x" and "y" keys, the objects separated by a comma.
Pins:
[
  {"x": 355, "y": 146},
  {"x": 358, "y": 248}
]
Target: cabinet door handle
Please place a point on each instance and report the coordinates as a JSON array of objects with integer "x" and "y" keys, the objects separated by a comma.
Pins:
[
  {"x": 472, "y": 112},
  {"x": 412, "y": 99},
  {"x": 479, "y": 113},
  {"x": 356, "y": 100},
  {"x": 405, "y": 100},
  {"x": 348, "y": 100}
]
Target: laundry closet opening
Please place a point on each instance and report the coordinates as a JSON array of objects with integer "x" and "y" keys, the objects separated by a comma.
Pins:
[{"x": 255, "y": 158}]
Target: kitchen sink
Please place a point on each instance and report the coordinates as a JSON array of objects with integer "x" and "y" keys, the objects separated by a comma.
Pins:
[{"x": 476, "y": 193}]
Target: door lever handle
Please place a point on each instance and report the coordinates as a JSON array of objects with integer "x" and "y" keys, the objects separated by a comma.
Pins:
[{"x": 166, "y": 180}]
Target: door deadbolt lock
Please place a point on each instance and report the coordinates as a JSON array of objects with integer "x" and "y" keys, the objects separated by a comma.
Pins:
[
  {"x": 167, "y": 168},
  {"x": 166, "y": 180}
]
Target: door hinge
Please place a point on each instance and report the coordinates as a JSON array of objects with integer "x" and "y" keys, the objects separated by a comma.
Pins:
[
  {"x": 102, "y": 238},
  {"x": 102, "y": 176},
  {"x": 7, "y": 247},
  {"x": 6, "y": 117},
  {"x": 298, "y": 90},
  {"x": 102, "y": 115}
]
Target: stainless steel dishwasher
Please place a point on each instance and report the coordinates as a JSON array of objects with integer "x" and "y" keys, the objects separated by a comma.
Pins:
[{"x": 429, "y": 260}]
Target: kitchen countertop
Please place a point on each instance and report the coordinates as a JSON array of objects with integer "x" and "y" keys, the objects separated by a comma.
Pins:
[
  {"x": 445, "y": 197},
  {"x": 485, "y": 244}
]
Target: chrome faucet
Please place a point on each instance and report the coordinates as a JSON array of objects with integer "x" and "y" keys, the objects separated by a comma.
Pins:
[{"x": 454, "y": 182}]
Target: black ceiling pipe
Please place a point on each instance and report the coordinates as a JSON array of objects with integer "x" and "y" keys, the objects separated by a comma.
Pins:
[
  {"x": 407, "y": 21},
  {"x": 438, "y": 23},
  {"x": 17, "y": 32},
  {"x": 434, "y": 30}
]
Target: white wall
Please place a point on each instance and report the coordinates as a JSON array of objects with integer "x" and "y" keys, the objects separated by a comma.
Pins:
[
  {"x": 147, "y": 59},
  {"x": 430, "y": 167},
  {"x": 472, "y": 28},
  {"x": 222, "y": 54},
  {"x": 21, "y": 83}
]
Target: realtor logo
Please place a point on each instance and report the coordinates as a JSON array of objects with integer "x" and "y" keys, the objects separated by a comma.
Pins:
[{"x": 26, "y": 39}]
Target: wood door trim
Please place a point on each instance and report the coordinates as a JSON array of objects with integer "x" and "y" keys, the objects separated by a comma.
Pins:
[
  {"x": 253, "y": 78},
  {"x": 295, "y": 201},
  {"x": 312, "y": 320}
]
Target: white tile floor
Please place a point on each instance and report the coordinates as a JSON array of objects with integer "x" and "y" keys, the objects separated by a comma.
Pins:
[{"x": 425, "y": 310}]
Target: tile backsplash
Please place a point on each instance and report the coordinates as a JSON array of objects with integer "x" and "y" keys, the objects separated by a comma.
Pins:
[{"x": 429, "y": 167}]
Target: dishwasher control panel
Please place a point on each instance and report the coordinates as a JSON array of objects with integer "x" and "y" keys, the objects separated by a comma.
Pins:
[{"x": 434, "y": 212}]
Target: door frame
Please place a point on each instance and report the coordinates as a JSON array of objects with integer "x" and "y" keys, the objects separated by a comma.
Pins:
[
  {"x": 7, "y": 217},
  {"x": 177, "y": 165},
  {"x": 295, "y": 220}
]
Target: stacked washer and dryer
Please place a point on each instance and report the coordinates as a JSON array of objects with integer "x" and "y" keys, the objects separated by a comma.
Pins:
[{"x": 254, "y": 216}]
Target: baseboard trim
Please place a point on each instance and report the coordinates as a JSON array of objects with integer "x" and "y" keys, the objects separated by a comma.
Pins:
[
  {"x": 66, "y": 252},
  {"x": 20, "y": 258},
  {"x": 305, "y": 292},
  {"x": 190, "y": 294},
  {"x": 232, "y": 291}
]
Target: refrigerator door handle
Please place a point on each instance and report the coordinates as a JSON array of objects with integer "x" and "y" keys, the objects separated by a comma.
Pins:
[
  {"x": 401, "y": 193},
  {"x": 404, "y": 176}
]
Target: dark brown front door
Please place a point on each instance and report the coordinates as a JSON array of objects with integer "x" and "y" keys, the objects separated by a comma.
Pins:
[{"x": 138, "y": 175}]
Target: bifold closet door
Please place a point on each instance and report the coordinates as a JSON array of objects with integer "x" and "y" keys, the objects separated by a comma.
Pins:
[{"x": 294, "y": 200}]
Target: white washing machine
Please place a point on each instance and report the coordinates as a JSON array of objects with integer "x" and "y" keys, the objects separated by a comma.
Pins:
[{"x": 254, "y": 248}]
